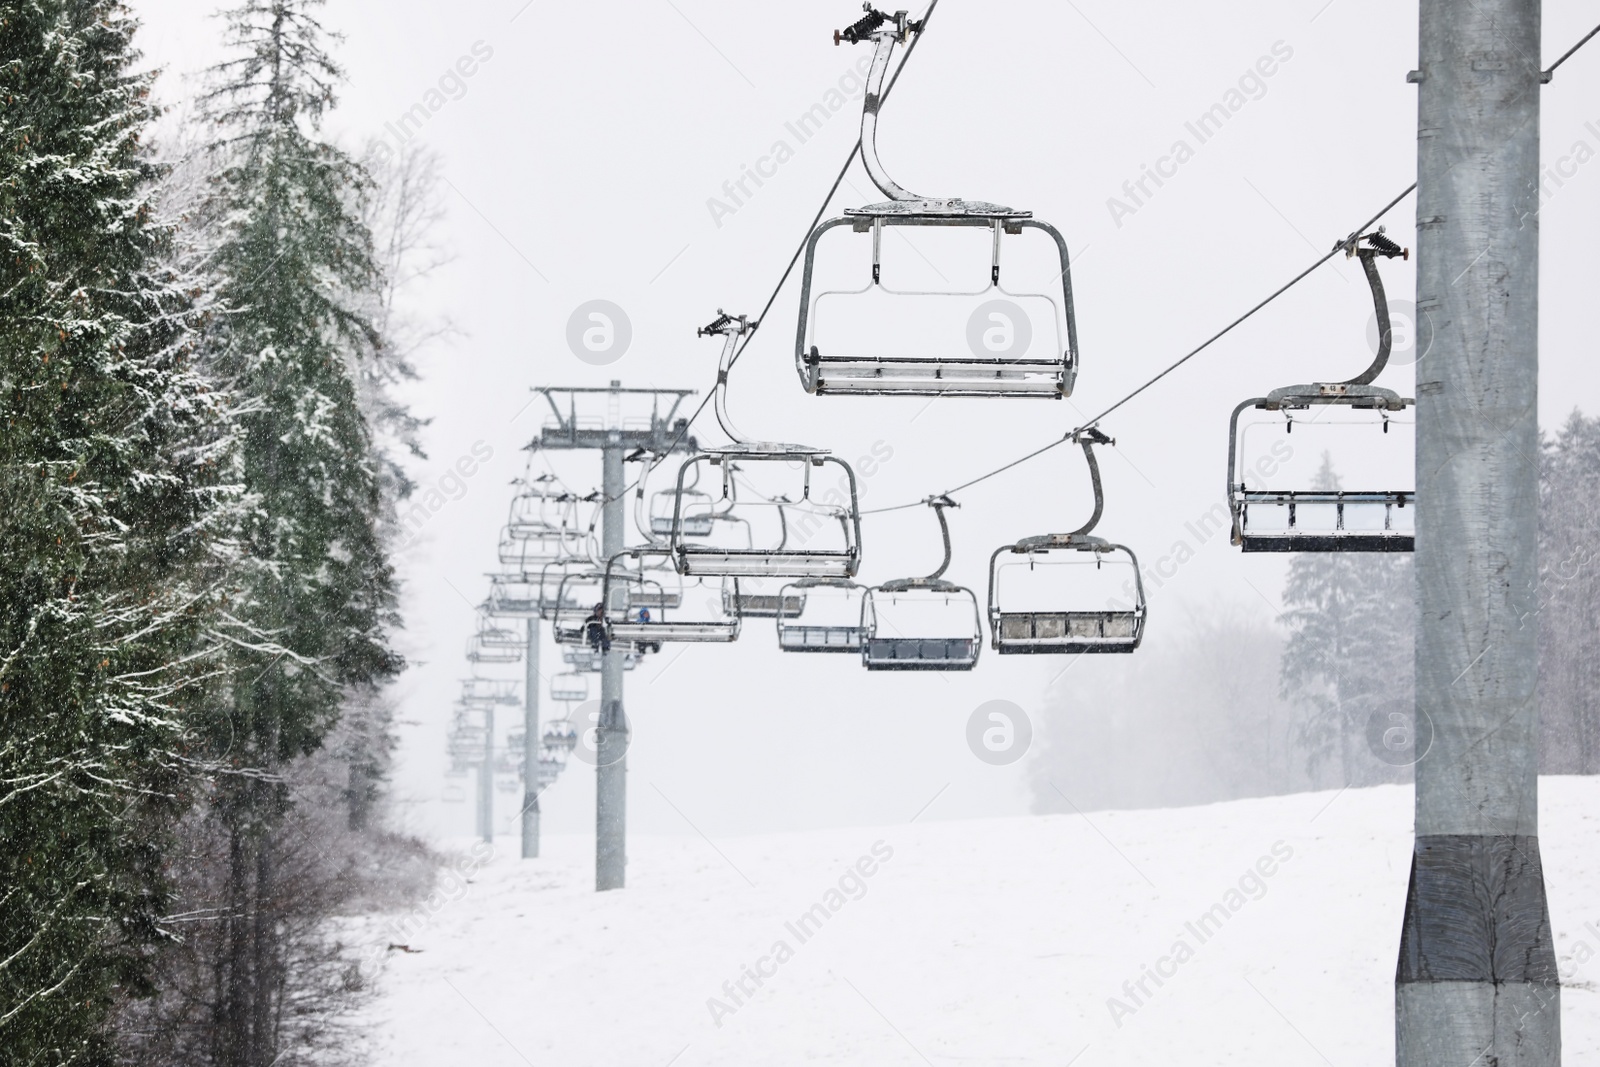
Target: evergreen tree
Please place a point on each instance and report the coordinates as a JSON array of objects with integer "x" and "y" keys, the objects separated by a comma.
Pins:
[
  {"x": 1568, "y": 599},
  {"x": 1349, "y": 653},
  {"x": 115, "y": 530},
  {"x": 296, "y": 270},
  {"x": 401, "y": 209}
]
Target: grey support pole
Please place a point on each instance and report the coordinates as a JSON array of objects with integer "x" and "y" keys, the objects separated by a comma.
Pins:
[
  {"x": 486, "y": 779},
  {"x": 1476, "y": 981},
  {"x": 611, "y": 783},
  {"x": 531, "y": 746},
  {"x": 478, "y": 822}
]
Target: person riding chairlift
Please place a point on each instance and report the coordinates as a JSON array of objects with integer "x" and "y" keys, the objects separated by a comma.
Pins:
[
  {"x": 594, "y": 630},
  {"x": 654, "y": 646}
]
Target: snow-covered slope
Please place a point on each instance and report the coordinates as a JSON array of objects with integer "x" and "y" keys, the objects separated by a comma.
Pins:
[{"x": 1271, "y": 925}]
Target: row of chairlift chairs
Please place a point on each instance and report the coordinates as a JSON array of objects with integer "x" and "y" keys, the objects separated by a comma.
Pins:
[
  {"x": 468, "y": 734},
  {"x": 663, "y": 592}
]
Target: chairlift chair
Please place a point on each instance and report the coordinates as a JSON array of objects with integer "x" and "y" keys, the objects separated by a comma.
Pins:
[
  {"x": 625, "y": 622},
  {"x": 591, "y": 660},
  {"x": 551, "y": 764},
  {"x": 784, "y": 604},
  {"x": 526, "y": 596},
  {"x": 575, "y": 606},
  {"x": 826, "y": 616},
  {"x": 1037, "y": 587},
  {"x": 480, "y": 651},
  {"x": 838, "y": 555},
  {"x": 659, "y": 587},
  {"x": 698, "y": 510},
  {"x": 1048, "y": 365},
  {"x": 482, "y": 691},
  {"x": 560, "y": 734},
  {"x": 569, "y": 687},
  {"x": 466, "y": 744},
  {"x": 1322, "y": 518},
  {"x": 498, "y": 636},
  {"x": 922, "y": 624},
  {"x": 540, "y": 511},
  {"x": 524, "y": 555}
]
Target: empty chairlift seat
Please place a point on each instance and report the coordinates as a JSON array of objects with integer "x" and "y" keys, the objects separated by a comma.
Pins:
[
  {"x": 569, "y": 687},
  {"x": 951, "y": 341},
  {"x": 825, "y": 616},
  {"x": 1065, "y": 593},
  {"x": 1288, "y": 470},
  {"x": 1359, "y": 425},
  {"x": 480, "y": 650},
  {"x": 693, "y": 511},
  {"x": 785, "y": 603},
  {"x": 816, "y": 527},
  {"x": 921, "y": 624}
]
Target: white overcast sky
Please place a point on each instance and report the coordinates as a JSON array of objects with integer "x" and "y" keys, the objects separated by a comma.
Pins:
[{"x": 581, "y": 155}]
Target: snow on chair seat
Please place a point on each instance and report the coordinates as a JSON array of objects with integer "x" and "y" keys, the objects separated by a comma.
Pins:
[
  {"x": 1068, "y": 631},
  {"x": 1045, "y": 592}
]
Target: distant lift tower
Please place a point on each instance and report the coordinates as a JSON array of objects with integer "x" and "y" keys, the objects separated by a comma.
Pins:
[{"x": 617, "y": 423}]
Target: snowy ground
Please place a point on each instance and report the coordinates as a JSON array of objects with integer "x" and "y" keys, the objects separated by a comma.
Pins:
[{"x": 979, "y": 942}]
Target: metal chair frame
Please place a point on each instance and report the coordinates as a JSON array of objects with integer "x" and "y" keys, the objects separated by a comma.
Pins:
[
  {"x": 796, "y": 635},
  {"x": 1358, "y": 394},
  {"x": 961, "y": 376},
  {"x": 1069, "y": 630},
  {"x": 950, "y": 653},
  {"x": 782, "y": 561}
]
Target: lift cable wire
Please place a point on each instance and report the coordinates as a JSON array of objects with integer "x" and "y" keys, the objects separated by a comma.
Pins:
[
  {"x": 1568, "y": 53},
  {"x": 1072, "y": 434}
]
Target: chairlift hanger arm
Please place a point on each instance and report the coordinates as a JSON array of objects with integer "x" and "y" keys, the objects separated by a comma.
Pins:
[
  {"x": 885, "y": 31},
  {"x": 732, "y": 328},
  {"x": 1088, "y": 439},
  {"x": 938, "y": 504},
  {"x": 1378, "y": 245}
]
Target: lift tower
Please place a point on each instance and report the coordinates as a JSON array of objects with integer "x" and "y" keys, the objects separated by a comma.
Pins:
[
  {"x": 617, "y": 423},
  {"x": 1476, "y": 981}
]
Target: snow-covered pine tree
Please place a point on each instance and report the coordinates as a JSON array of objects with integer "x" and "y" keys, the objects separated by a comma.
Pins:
[
  {"x": 1348, "y": 656},
  {"x": 296, "y": 270},
  {"x": 115, "y": 534},
  {"x": 1568, "y": 599},
  {"x": 401, "y": 209}
]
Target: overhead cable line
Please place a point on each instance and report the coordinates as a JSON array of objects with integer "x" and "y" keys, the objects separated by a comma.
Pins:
[{"x": 1072, "y": 435}]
